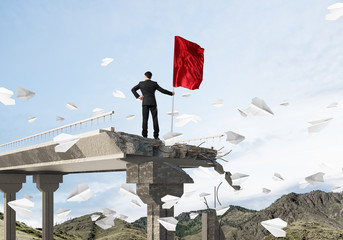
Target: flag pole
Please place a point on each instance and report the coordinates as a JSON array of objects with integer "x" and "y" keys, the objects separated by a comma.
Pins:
[{"x": 172, "y": 112}]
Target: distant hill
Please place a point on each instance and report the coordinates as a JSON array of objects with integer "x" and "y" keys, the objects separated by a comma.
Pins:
[{"x": 313, "y": 216}]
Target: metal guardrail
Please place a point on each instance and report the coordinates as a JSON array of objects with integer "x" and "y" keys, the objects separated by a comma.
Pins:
[
  {"x": 203, "y": 138},
  {"x": 59, "y": 128}
]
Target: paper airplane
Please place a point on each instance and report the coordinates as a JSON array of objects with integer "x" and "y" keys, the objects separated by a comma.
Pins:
[
  {"x": 318, "y": 124},
  {"x": 168, "y": 223},
  {"x": 193, "y": 215},
  {"x": 108, "y": 212},
  {"x": 59, "y": 119},
  {"x": 31, "y": 119},
  {"x": 5, "y": 96},
  {"x": 130, "y": 117},
  {"x": 315, "y": 179},
  {"x": 221, "y": 210},
  {"x": 187, "y": 94},
  {"x": 188, "y": 194},
  {"x": 25, "y": 94},
  {"x": 332, "y": 105},
  {"x": 259, "y": 108},
  {"x": 242, "y": 112},
  {"x": 336, "y": 11},
  {"x": 122, "y": 217},
  {"x": 337, "y": 189},
  {"x": 126, "y": 189},
  {"x": 277, "y": 177},
  {"x": 171, "y": 138},
  {"x": 266, "y": 190},
  {"x": 203, "y": 172},
  {"x": 106, "y": 61},
  {"x": 98, "y": 111},
  {"x": 135, "y": 203},
  {"x": 233, "y": 137},
  {"x": 62, "y": 212},
  {"x": 71, "y": 106},
  {"x": 284, "y": 103},
  {"x": 65, "y": 142},
  {"x": 238, "y": 178},
  {"x": 274, "y": 226},
  {"x": 174, "y": 113},
  {"x": 106, "y": 222},
  {"x": 186, "y": 118},
  {"x": 22, "y": 207},
  {"x": 80, "y": 193},
  {"x": 169, "y": 201},
  {"x": 29, "y": 197},
  {"x": 95, "y": 217},
  {"x": 204, "y": 195},
  {"x": 118, "y": 94},
  {"x": 218, "y": 103}
]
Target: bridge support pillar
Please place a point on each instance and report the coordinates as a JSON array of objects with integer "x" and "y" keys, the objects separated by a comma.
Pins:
[
  {"x": 48, "y": 184},
  {"x": 154, "y": 180},
  {"x": 10, "y": 184}
]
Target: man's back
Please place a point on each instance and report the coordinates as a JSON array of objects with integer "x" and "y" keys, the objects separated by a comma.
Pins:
[{"x": 148, "y": 89}]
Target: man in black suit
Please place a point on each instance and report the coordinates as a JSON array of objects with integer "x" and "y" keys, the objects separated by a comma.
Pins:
[{"x": 148, "y": 89}]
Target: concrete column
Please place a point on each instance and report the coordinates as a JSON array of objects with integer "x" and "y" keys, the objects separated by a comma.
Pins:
[
  {"x": 210, "y": 226},
  {"x": 155, "y": 180},
  {"x": 48, "y": 184},
  {"x": 10, "y": 184}
]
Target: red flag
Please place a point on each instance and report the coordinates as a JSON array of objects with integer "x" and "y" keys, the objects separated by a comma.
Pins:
[{"x": 188, "y": 64}]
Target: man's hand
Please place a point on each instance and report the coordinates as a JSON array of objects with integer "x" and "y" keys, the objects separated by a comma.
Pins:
[
  {"x": 141, "y": 98},
  {"x": 173, "y": 94}
]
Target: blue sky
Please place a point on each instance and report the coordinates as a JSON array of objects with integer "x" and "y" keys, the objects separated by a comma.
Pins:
[{"x": 276, "y": 50}]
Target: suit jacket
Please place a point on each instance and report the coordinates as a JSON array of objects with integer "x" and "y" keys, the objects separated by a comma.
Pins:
[{"x": 148, "y": 89}]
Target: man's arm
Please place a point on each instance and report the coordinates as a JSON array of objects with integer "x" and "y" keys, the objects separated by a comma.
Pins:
[
  {"x": 134, "y": 90},
  {"x": 164, "y": 91}
]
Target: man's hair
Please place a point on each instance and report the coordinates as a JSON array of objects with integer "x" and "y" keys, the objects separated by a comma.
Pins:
[{"x": 148, "y": 74}]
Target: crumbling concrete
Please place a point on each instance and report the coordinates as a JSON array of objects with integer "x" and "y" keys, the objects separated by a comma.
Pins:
[{"x": 211, "y": 229}]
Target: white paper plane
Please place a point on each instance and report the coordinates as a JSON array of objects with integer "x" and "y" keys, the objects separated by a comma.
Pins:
[
  {"x": 106, "y": 61},
  {"x": 108, "y": 212},
  {"x": 336, "y": 11},
  {"x": 183, "y": 119},
  {"x": 337, "y": 189},
  {"x": 238, "y": 178},
  {"x": 332, "y": 105},
  {"x": 25, "y": 94},
  {"x": 59, "y": 119},
  {"x": 218, "y": 103},
  {"x": 62, "y": 212},
  {"x": 171, "y": 138},
  {"x": 188, "y": 194},
  {"x": 65, "y": 142},
  {"x": 80, "y": 193},
  {"x": 95, "y": 217},
  {"x": 174, "y": 113},
  {"x": 203, "y": 172},
  {"x": 259, "y": 108},
  {"x": 118, "y": 94},
  {"x": 106, "y": 222},
  {"x": 130, "y": 117},
  {"x": 242, "y": 112},
  {"x": 284, "y": 103},
  {"x": 266, "y": 190},
  {"x": 31, "y": 119},
  {"x": 122, "y": 217},
  {"x": 135, "y": 203},
  {"x": 28, "y": 196},
  {"x": 22, "y": 207},
  {"x": 5, "y": 96},
  {"x": 318, "y": 124},
  {"x": 275, "y": 226},
  {"x": 221, "y": 210},
  {"x": 193, "y": 215},
  {"x": 233, "y": 137},
  {"x": 204, "y": 195},
  {"x": 277, "y": 177},
  {"x": 187, "y": 94},
  {"x": 315, "y": 179},
  {"x": 98, "y": 111},
  {"x": 71, "y": 106},
  {"x": 168, "y": 223},
  {"x": 126, "y": 189},
  {"x": 169, "y": 201}
]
